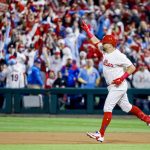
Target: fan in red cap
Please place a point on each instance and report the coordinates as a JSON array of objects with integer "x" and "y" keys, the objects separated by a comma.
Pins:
[{"x": 57, "y": 20}]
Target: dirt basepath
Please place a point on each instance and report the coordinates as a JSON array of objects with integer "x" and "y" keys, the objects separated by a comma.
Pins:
[{"x": 70, "y": 138}]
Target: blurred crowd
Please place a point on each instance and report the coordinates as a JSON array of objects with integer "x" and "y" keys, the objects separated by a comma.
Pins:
[{"x": 42, "y": 44}]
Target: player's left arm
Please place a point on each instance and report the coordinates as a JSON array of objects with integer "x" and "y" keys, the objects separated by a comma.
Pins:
[
  {"x": 90, "y": 35},
  {"x": 129, "y": 71}
]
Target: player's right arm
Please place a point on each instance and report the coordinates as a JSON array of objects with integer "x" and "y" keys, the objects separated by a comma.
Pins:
[{"x": 91, "y": 36}]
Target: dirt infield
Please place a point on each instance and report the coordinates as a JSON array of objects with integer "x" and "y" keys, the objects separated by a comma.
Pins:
[{"x": 70, "y": 138}]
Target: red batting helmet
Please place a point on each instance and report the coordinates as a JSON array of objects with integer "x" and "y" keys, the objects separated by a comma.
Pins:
[{"x": 109, "y": 39}]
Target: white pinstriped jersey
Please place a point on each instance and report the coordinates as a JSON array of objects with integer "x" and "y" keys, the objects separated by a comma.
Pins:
[
  {"x": 14, "y": 76},
  {"x": 114, "y": 64}
]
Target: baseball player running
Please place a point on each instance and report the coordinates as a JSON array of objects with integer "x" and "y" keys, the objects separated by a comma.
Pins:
[{"x": 114, "y": 63}]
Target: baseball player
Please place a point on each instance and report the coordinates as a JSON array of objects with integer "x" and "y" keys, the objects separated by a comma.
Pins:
[
  {"x": 14, "y": 75},
  {"x": 114, "y": 64}
]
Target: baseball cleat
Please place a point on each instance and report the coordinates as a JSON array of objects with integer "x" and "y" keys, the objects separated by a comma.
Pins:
[{"x": 95, "y": 135}]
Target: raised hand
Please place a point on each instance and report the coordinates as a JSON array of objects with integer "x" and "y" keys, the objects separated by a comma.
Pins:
[{"x": 84, "y": 26}]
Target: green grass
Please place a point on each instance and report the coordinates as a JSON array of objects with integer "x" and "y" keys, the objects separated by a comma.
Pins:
[
  {"x": 76, "y": 147},
  {"x": 45, "y": 124},
  {"x": 30, "y": 124}
]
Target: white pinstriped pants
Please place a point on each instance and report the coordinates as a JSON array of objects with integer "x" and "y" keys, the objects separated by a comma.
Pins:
[{"x": 115, "y": 97}]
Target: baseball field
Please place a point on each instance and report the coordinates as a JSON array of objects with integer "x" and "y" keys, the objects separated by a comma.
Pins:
[{"x": 69, "y": 133}]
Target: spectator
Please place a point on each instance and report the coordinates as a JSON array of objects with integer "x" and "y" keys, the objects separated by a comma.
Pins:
[
  {"x": 71, "y": 42},
  {"x": 89, "y": 76},
  {"x": 92, "y": 21},
  {"x": 66, "y": 51},
  {"x": 11, "y": 52},
  {"x": 67, "y": 20},
  {"x": 61, "y": 81},
  {"x": 34, "y": 76},
  {"x": 2, "y": 81},
  {"x": 53, "y": 40},
  {"x": 83, "y": 56},
  {"x": 70, "y": 71},
  {"x": 30, "y": 54},
  {"x": 117, "y": 28},
  {"x": 20, "y": 56},
  {"x": 60, "y": 29},
  {"x": 103, "y": 24},
  {"x": 14, "y": 75},
  {"x": 56, "y": 61},
  {"x": 50, "y": 79},
  {"x": 141, "y": 79},
  {"x": 2, "y": 68},
  {"x": 1, "y": 46}
]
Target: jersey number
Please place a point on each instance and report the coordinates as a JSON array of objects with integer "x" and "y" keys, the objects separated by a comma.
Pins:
[{"x": 14, "y": 77}]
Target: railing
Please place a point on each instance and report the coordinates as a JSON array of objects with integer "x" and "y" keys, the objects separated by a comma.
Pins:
[{"x": 13, "y": 100}]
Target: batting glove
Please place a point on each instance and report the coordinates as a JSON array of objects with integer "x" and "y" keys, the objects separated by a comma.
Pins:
[
  {"x": 118, "y": 81},
  {"x": 85, "y": 27}
]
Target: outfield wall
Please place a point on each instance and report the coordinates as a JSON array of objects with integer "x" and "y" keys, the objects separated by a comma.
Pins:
[{"x": 65, "y": 101}]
